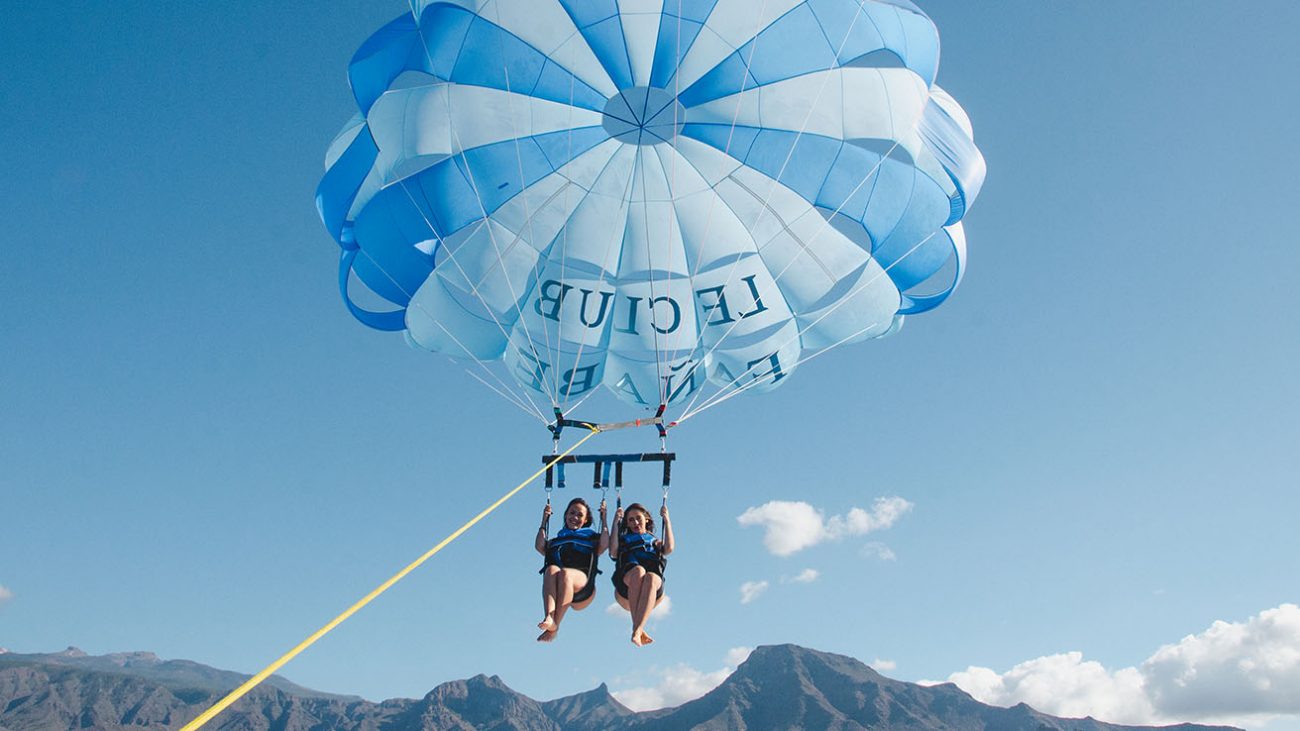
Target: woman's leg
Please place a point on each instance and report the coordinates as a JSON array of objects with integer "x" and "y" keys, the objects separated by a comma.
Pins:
[
  {"x": 580, "y": 604},
  {"x": 634, "y": 581},
  {"x": 647, "y": 599},
  {"x": 549, "y": 592},
  {"x": 569, "y": 582}
]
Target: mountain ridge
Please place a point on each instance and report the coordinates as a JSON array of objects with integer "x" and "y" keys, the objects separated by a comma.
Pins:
[{"x": 777, "y": 687}]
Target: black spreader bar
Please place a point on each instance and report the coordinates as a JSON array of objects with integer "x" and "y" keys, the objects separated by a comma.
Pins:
[{"x": 600, "y": 478}]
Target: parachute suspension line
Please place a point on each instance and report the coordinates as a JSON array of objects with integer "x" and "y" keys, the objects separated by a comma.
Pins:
[
  {"x": 564, "y": 257},
  {"x": 671, "y": 214},
  {"x": 266, "y": 672},
  {"x": 871, "y": 174},
  {"x": 496, "y": 248},
  {"x": 774, "y": 185},
  {"x": 713, "y": 200},
  {"x": 487, "y": 223},
  {"x": 650, "y": 261},
  {"x": 720, "y": 397},
  {"x": 519, "y": 161},
  {"x": 564, "y": 250},
  {"x": 451, "y": 256},
  {"x": 731, "y": 134},
  {"x": 498, "y": 391},
  {"x": 517, "y": 399},
  {"x": 563, "y": 271},
  {"x": 557, "y": 393},
  {"x": 665, "y": 392}
]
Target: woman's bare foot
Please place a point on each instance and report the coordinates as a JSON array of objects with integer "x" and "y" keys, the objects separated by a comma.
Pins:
[
  {"x": 547, "y": 624},
  {"x": 646, "y": 639},
  {"x": 546, "y": 636}
]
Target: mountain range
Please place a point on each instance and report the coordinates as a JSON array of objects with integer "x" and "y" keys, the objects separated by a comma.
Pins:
[{"x": 778, "y": 687}]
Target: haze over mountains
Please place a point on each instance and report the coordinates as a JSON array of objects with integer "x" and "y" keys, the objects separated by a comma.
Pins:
[{"x": 778, "y": 687}]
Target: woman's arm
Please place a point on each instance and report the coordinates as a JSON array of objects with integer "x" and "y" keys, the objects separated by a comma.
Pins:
[
  {"x": 540, "y": 543},
  {"x": 613, "y": 534},
  {"x": 666, "y": 546}
]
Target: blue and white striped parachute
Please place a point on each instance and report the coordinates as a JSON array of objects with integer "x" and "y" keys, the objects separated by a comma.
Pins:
[{"x": 650, "y": 195}]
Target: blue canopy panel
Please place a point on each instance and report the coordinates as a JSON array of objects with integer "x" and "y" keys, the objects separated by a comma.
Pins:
[
  {"x": 947, "y": 133},
  {"x": 679, "y": 26},
  {"x": 343, "y": 177},
  {"x": 390, "y": 52},
  {"x": 896, "y": 207},
  {"x": 454, "y": 44},
  {"x": 818, "y": 35},
  {"x": 600, "y": 24},
  {"x": 467, "y": 49},
  {"x": 513, "y": 270}
]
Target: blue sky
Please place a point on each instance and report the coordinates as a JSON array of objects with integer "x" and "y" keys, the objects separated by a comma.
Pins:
[{"x": 203, "y": 455}]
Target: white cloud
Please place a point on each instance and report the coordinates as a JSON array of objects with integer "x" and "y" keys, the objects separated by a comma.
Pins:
[
  {"x": 879, "y": 551},
  {"x": 737, "y": 655},
  {"x": 679, "y": 684},
  {"x": 664, "y": 609},
  {"x": 1063, "y": 685},
  {"x": 790, "y": 527},
  {"x": 5, "y": 594},
  {"x": 1234, "y": 672},
  {"x": 880, "y": 665},
  {"x": 751, "y": 590},
  {"x": 1231, "y": 668},
  {"x": 807, "y": 576},
  {"x": 884, "y": 513}
]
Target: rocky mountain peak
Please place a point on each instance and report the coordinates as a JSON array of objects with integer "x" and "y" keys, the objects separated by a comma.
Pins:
[
  {"x": 125, "y": 659},
  {"x": 778, "y": 686}
]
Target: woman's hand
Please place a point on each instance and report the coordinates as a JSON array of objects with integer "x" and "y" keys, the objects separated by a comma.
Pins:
[
  {"x": 663, "y": 512},
  {"x": 540, "y": 542},
  {"x": 604, "y": 513}
]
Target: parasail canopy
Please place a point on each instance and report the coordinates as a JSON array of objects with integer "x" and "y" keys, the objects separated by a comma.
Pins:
[{"x": 651, "y": 196}]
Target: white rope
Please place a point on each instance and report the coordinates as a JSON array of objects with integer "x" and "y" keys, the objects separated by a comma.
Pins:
[
  {"x": 715, "y": 399},
  {"x": 410, "y": 298},
  {"x": 774, "y": 185},
  {"x": 487, "y": 218}
]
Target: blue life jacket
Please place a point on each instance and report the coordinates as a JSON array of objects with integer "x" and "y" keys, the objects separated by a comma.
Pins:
[
  {"x": 637, "y": 547},
  {"x": 582, "y": 541}
]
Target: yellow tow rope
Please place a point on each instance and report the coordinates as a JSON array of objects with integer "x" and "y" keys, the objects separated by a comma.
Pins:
[{"x": 266, "y": 672}]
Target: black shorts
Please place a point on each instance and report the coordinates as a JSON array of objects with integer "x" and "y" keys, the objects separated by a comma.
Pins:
[
  {"x": 587, "y": 590},
  {"x": 654, "y": 566}
]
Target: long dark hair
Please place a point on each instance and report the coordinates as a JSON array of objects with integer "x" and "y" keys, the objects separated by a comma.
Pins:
[
  {"x": 649, "y": 520},
  {"x": 585, "y": 506}
]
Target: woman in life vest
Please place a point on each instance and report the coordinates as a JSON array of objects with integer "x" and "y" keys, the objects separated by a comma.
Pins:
[
  {"x": 639, "y": 565},
  {"x": 569, "y": 576}
]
